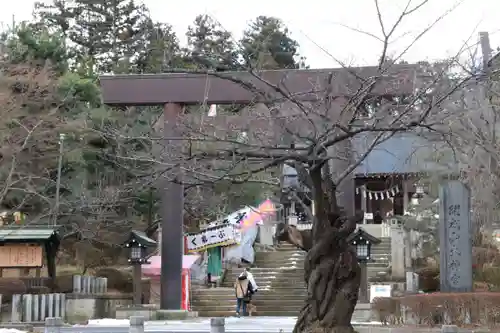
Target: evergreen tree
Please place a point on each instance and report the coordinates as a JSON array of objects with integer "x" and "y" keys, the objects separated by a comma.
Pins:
[
  {"x": 267, "y": 44},
  {"x": 161, "y": 50},
  {"x": 106, "y": 33},
  {"x": 210, "y": 46}
]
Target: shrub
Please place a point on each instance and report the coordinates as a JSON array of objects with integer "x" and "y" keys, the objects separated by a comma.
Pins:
[
  {"x": 489, "y": 275},
  {"x": 117, "y": 279},
  {"x": 11, "y": 286},
  {"x": 478, "y": 308},
  {"x": 428, "y": 279},
  {"x": 64, "y": 283},
  {"x": 387, "y": 310},
  {"x": 485, "y": 256}
]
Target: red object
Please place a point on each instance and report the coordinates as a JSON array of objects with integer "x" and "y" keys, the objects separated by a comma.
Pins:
[
  {"x": 153, "y": 271},
  {"x": 185, "y": 245},
  {"x": 186, "y": 284}
]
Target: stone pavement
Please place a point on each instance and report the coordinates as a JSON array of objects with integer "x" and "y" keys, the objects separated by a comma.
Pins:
[{"x": 201, "y": 325}]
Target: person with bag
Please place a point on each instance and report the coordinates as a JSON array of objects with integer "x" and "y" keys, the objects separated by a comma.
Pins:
[{"x": 242, "y": 288}]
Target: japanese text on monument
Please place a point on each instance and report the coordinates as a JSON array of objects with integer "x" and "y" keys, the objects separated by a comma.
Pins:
[{"x": 454, "y": 254}]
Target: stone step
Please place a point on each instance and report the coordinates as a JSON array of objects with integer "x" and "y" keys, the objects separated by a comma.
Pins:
[
  {"x": 270, "y": 279},
  {"x": 260, "y": 308},
  {"x": 269, "y": 272},
  {"x": 275, "y": 313},
  {"x": 259, "y": 301},
  {"x": 297, "y": 265},
  {"x": 263, "y": 285},
  {"x": 300, "y": 294},
  {"x": 228, "y": 292}
]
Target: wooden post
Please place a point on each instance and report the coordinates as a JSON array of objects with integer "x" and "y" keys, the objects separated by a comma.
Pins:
[
  {"x": 363, "y": 288},
  {"x": 172, "y": 209},
  {"x": 363, "y": 201},
  {"x": 137, "y": 279}
]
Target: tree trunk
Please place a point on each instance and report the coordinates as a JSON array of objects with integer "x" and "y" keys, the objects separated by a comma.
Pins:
[{"x": 332, "y": 273}]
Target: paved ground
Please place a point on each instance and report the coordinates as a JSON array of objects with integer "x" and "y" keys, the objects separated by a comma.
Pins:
[
  {"x": 200, "y": 325},
  {"x": 246, "y": 324}
]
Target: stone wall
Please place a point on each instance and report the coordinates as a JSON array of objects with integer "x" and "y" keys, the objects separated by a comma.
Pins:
[
  {"x": 83, "y": 307},
  {"x": 74, "y": 307}
]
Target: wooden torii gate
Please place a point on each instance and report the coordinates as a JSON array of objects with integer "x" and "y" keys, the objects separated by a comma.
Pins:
[{"x": 175, "y": 90}]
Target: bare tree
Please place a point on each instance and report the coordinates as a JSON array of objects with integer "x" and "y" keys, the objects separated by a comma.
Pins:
[
  {"x": 28, "y": 119},
  {"x": 324, "y": 139}
]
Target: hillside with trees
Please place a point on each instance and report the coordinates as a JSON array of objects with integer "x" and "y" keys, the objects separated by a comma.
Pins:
[{"x": 51, "y": 108}]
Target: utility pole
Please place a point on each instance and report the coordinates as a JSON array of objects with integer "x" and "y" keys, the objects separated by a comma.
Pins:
[{"x": 58, "y": 182}]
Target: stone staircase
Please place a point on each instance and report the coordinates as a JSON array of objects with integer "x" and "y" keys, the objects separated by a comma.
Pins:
[{"x": 280, "y": 277}]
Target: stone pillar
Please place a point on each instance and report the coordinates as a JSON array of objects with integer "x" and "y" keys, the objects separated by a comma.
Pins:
[
  {"x": 136, "y": 324},
  {"x": 406, "y": 201},
  {"x": 77, "y": 283},
  {"x": 172, "y": 210},
  {"x": 455, "y": 237},
  {"x": 407, "y": 250},
  {"x": 53, "y": 324},
  {"x": 217, "y": 325},
  {"x": 397, "y": 252},
  {"x": 27, "y": 307},
  {"x": 16, "y": 309},
  {"x": 412, "y": 282},
  {"x": 36, "y": 308}
]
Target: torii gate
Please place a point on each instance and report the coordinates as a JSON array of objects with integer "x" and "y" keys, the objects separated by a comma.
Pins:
[{"x": 173, "y": 91}]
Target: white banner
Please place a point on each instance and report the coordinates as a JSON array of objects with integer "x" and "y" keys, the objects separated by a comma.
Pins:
[{"x": 222, "y": 235}]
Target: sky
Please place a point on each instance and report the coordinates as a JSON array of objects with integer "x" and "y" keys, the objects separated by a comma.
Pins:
[{"x": 328, "y": 31}]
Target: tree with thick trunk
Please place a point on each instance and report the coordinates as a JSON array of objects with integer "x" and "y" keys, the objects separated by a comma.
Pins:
[{"x": 331, "y": 270}]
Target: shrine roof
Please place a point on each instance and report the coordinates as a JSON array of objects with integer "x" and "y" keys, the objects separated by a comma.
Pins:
[{"x": 24, "y": 234}]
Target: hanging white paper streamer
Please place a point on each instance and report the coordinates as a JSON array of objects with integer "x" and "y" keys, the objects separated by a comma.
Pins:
[
  {"x": 387, "y": 194},
  {"x": 212, "y": 111}
]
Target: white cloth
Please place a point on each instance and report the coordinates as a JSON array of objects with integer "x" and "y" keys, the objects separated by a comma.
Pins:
[{"x": 251, "y": 279}]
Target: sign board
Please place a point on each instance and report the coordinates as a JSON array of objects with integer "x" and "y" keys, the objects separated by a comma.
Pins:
[
  {"x": 222, "y": 235},
  {"x": 380, "y": 290},
  {"x": 19, "y": 255},
  {"x": 368, "y": 216}
]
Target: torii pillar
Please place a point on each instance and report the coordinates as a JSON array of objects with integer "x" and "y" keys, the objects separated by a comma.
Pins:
[{"x": 172, "y": 221}]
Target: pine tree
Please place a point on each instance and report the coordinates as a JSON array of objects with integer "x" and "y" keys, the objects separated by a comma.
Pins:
[
  {"x": 105, "y": 32},
  {"x": 210, "y": 46},
  {"x": 267, "y": 44},
  {"x": 161, "y": 50}
]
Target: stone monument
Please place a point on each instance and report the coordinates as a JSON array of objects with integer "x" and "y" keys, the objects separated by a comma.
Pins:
[{"x": 455, "y": 237}]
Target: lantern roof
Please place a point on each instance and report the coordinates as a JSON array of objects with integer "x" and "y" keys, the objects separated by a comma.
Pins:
[
  {"x": 139, "y": 238},
  {"x": 362, "y": 234}
]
